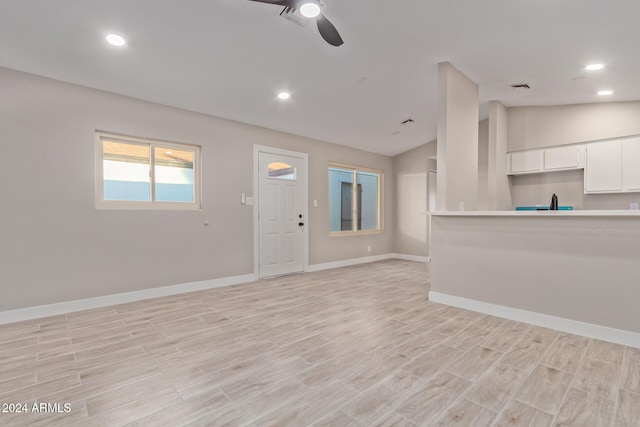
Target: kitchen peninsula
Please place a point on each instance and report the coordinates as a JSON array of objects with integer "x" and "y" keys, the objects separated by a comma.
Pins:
[{"x": 577, "y": 271}]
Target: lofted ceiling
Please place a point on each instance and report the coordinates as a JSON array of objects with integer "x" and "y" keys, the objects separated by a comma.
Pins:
[{"x": 230, "y": 58}]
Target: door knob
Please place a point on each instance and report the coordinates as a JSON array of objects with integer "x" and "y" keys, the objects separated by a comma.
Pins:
[{"x": 301, "y": 224}]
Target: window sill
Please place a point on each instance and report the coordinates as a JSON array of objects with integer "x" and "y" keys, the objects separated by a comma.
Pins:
[{"x": 141, "y": 206}]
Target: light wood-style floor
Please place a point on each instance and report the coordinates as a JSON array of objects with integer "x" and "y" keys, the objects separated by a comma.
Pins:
[{"x": 356, "y": 346}]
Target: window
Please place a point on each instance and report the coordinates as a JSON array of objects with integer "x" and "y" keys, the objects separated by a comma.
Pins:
[
  {"x": 133, "y": 173},
  {"x": 354, "y": 199},
  {"x": 280, "y": 170}
]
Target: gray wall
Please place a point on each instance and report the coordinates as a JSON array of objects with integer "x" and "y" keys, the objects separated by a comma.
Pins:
[
  {"x": 57, "y": 247},
  {"x": 538, "y": 127}
]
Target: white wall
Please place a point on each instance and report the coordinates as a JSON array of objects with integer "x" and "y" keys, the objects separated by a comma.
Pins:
[
  {"x": 528, "y": 190},
  {"x": 57, "y": 247},
  {"x": 538, "y": 127}
]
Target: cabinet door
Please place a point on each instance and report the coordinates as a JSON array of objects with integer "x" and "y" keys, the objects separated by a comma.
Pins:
[
  {"x": 525, "y": 161},
  {"x": 631, "y": 164},
  {"x": 561, "y": 158},
  {"x": 603, "y": 171}
]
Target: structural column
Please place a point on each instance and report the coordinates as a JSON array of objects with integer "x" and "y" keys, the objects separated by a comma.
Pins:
[
  {"x": 498, "y": 192},
  {"x": 457, "y": 140}
]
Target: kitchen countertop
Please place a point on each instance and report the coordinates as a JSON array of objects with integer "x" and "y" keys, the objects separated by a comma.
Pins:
[{"x": 572, "y": 213}]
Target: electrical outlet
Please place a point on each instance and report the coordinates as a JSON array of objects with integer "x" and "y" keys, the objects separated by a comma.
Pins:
[
  {"x": 633, "y": 206},
  {"x": 369, "y": 248}
]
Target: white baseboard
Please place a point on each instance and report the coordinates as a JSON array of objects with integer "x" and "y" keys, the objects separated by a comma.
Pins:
[
  {"x": 590, "y": 330},
  {"x": 412, "y": 257},
  {"x": 107, "y": 300},
  {"x": 348, "y": 262},
  {"x": 364, "y": 260}
]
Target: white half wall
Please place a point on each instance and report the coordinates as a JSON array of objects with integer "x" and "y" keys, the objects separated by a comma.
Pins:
[
  {"x": 581, "y": 267},
  {"x": 590, "y": 330}
]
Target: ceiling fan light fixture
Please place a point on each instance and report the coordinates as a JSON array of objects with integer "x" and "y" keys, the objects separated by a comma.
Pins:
[
  {"x": 116, "y": 40},
  {"x": 594, "y": 67},
  {"x": 310, "y": 10}
]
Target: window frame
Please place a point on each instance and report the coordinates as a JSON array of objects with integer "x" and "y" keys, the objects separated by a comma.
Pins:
[
  {"x": 152, "y": 204},
  {"x": 354, "y": 204}
]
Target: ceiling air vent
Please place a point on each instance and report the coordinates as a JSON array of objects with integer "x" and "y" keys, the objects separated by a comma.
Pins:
[{"x": 520, "y": 86}]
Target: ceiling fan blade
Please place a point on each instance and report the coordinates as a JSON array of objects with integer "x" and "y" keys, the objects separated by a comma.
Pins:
[
  {"x": 328, "y": 31},
  {"x": 286, "y": 3}
]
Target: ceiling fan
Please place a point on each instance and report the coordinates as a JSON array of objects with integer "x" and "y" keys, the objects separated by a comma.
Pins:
[{"x": 311, "y": 9}]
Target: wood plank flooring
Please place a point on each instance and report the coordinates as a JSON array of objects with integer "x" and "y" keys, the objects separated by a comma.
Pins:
[{"x": 355, "y": 346}]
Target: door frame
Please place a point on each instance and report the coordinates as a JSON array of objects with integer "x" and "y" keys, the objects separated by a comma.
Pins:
[{"x": 257, "y": 149}]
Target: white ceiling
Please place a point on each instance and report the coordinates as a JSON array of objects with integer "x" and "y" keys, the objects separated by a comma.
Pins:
[{"x": 229, "y": 58}]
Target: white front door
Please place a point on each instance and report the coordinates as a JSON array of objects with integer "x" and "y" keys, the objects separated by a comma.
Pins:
[{"x": 282, "y": 214}]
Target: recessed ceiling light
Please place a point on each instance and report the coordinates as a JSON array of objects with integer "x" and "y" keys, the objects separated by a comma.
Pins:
[
  {"x": 284, "y": 95},
  {"x": 310, "y": 10},
  {"x": 116, "y": 40},
  {"x": 168, "y": 152},
  {"x": 593, "y": 67},
  {"x": 605, "y": 92}
]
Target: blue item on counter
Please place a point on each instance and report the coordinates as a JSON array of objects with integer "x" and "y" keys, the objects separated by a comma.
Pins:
[{"x": 542, "y": 208}]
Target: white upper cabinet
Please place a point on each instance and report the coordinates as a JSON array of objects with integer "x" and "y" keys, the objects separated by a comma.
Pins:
[
  {"x": 563, "y": 158},
  {"x": 613, "y": 166},
  {"x": 529, "y": 161},
  {"x": 631, "y": 164},
  {"x": 546, "y": 160},
  {"x": 603, "y": 171}
]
